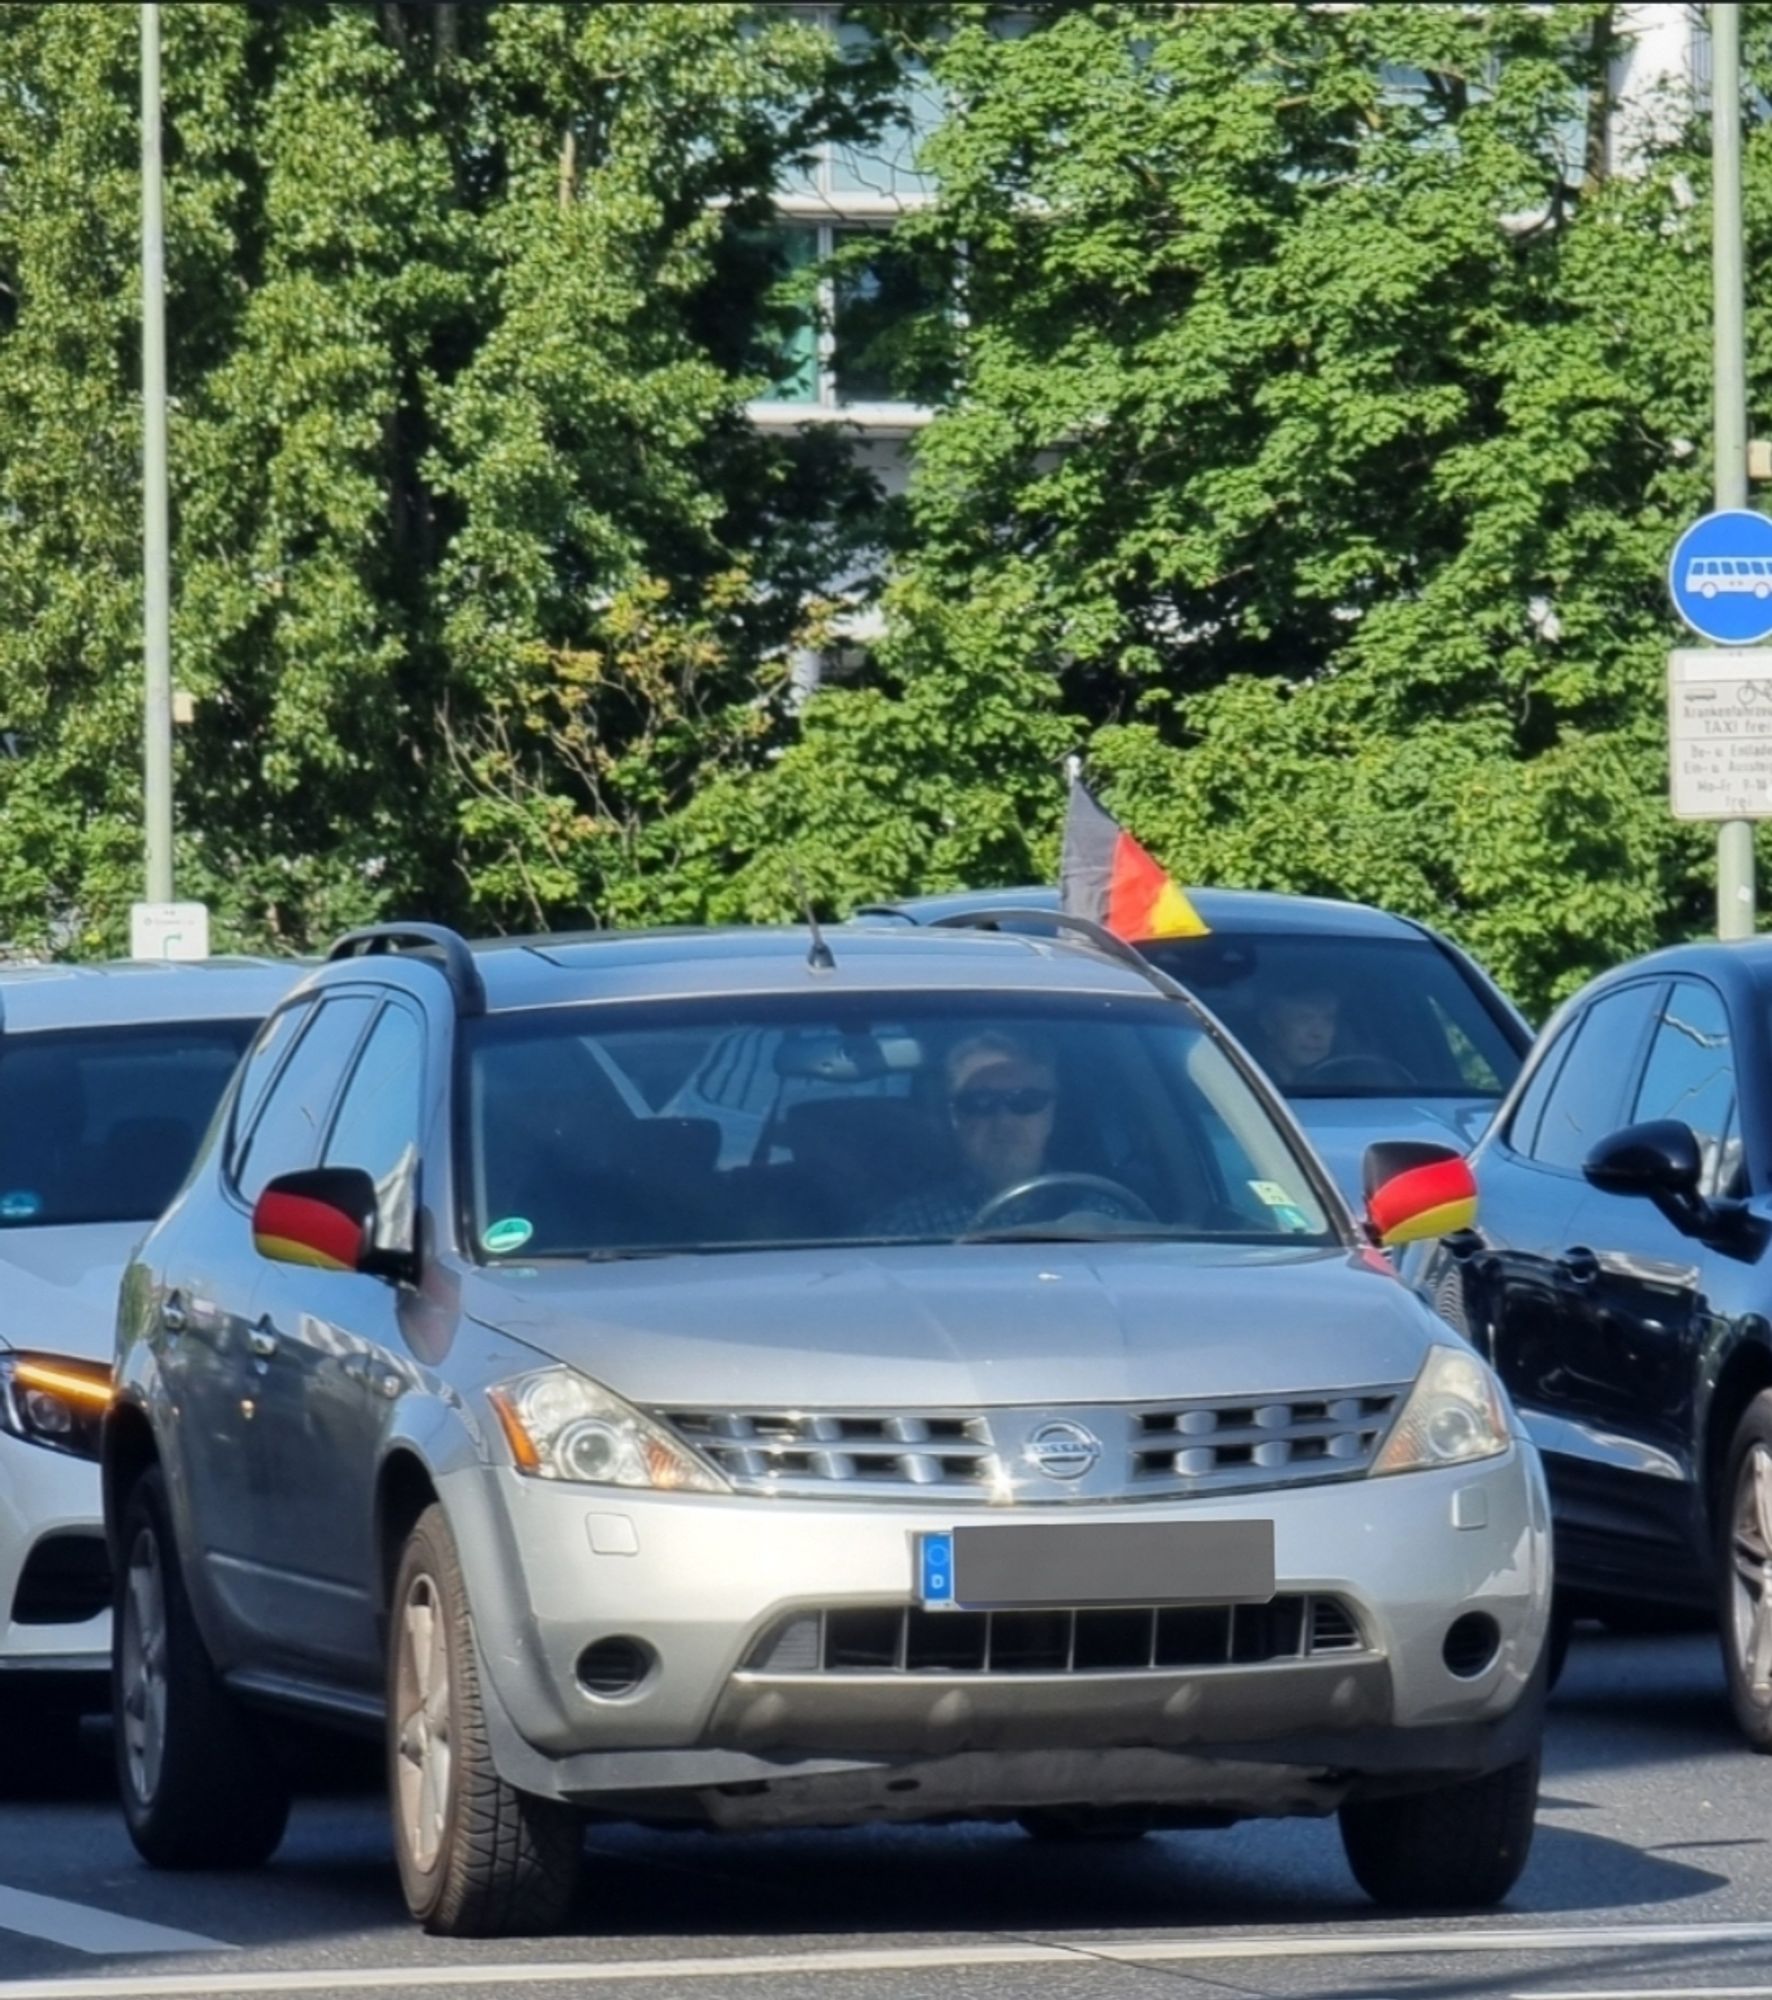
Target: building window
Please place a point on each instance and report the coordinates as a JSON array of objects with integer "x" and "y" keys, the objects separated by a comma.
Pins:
[{"x": 846, "y": 333}]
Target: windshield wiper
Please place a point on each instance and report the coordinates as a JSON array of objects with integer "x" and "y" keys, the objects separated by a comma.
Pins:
[{"x": 1045, "y": 1232}]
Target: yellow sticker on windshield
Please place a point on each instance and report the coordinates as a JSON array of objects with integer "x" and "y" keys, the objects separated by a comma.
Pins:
[{"x": 1270, "y": 1194}]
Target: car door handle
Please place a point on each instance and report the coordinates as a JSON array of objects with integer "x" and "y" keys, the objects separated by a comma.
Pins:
[
  {"x": 1580, "y": 1266},
  {"x": 262, "y": 1339}
]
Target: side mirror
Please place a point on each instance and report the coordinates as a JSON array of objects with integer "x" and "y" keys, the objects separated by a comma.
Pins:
[
  {"x": 1416, "y": 1191},
  {"x": 1661, "y": 1160},
  {"x": 324, "y": 1216}
]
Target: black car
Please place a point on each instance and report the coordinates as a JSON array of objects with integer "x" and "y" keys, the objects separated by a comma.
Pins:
[{"x": 1619, "y": 1277}]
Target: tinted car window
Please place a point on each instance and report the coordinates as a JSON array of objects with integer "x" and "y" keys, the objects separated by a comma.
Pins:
[
  {"x": 286, "y": 1134},
  {"x": 1591, "y": 1090},
  {"x": 1691, "y": 1076},
  {"x": 274, "y": 1041},
  {"x": 1522, "y": 1131},
  {"x": 1349, "y": 1017},
  {"x": 377, "y": 1124},
  {"x": 101, "y": 1124},
  {"x": 804, "y": 1122}
]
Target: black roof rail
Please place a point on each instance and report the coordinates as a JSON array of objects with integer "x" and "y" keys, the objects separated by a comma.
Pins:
[
  {"x": 436, "y": 944},
  {"x": 1086, "y": 928}
]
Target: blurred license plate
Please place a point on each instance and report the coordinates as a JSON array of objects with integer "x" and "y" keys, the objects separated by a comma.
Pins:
[{"x": 1096, "y": 1562}]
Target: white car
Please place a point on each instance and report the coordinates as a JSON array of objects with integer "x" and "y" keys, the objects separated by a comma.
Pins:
[{"x": 109, "y": 1075}]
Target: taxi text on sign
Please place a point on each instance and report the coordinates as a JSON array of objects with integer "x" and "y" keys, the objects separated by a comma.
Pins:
[{"x": 1719, "y": 729}]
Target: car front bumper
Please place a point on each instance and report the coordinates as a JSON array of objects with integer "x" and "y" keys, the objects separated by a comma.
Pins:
[
  {"x": 699, "y": 1582},
  {"x": 44, "y": 1496}
]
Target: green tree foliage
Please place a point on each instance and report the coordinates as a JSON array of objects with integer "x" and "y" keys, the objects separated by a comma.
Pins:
[
  {"x": 1328, "y": 405},
  {"x": 477, "y": 564}
]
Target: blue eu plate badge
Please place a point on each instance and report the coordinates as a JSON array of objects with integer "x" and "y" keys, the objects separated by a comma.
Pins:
[{"x": 935, "y": 1569}]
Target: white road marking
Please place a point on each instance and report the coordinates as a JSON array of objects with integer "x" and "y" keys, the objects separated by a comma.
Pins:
[
  {"x": 97, "y": 1932},
  {"x": 1351, "y": 1943}
]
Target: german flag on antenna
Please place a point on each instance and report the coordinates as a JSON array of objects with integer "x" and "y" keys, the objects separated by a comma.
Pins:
[{"x": 1107, "y": 876}]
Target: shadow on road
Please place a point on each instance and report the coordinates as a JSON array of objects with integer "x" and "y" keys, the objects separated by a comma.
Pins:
[{"x": 983, "y": 1880}]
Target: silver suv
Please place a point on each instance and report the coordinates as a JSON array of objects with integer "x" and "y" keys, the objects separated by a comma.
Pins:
[{"x": 750, "y": 1380}]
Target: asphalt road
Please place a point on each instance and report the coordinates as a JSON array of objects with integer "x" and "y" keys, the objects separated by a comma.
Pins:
[{"x": 1651, "y": 1874}]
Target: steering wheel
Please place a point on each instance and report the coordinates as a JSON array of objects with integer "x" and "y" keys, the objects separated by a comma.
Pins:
[
  {"x": 1135, "y": 1208},
  {"x": 1374, "y": 1070}
]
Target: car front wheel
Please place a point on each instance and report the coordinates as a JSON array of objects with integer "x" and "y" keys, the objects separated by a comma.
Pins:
[
  {"x": 199, "y": 1785},
  {"x": 478, "y": 1858},
  {"x": 1458, "y": 1847},
  {"x": 1744, "y": 1573}
]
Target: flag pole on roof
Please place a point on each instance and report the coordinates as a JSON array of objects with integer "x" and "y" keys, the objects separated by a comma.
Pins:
[{"x": 1107, "y": 876}]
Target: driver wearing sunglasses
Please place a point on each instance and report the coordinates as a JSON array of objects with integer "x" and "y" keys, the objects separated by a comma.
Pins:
[{"x": 1001, "y": 1094}]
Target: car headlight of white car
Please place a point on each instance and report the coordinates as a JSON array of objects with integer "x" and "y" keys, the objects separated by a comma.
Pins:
[
  {"x": 561, "y": 1425},
  {"x": 55, "y": 1400},
  {"x": 1454, "y": 1414}
]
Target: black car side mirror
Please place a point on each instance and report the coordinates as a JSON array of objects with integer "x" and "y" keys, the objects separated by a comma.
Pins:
[{"x": 1663, "y": 1161}]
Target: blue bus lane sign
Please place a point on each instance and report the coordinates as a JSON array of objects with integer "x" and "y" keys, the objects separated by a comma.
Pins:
[{"x": 1720, "y": 578}]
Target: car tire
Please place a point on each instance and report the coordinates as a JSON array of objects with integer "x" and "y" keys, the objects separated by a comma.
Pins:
[
  {"x": 477, "y": 1857},
  {"x": 1457, "y": 1847},
  {"x": 1744, "y": 1572},
  {"x": 199, "y": 1785},
  {"x": 1085, "y": 1824}
]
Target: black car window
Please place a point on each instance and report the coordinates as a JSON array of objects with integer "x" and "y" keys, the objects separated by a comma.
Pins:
[
  {"x": 1522, "y": 1130},
  {"x": 275, "y": 1040},
  {"x": 1691, "y": 1076},
  {"x": 1591, "y": 1090},
  {"x": 286, "y": 1134}
]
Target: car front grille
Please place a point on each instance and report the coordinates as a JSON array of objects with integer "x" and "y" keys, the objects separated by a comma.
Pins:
[
  {"x": 1137, "y": 1639},
  {"x": 762, "y": 1447},
  {"x": 1261, "y": 1444},
  {"x": 1172, "y": 1450}
]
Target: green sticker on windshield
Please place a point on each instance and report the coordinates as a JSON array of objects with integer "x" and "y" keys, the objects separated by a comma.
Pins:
[
  {"x": 510, "y": 1234},
  {"x": 1270, "y": 1194}
]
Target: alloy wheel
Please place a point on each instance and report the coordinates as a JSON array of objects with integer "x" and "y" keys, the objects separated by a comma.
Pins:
[
  {"x": 143, "y": 1666},
  {"x": 425, "y": 1753},
  {"x": 1750, "y": 1549}
]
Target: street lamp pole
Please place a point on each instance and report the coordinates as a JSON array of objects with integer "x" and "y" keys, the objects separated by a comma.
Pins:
[
  {"x": 1735, "y": 838},
  {"x": 156, "y": 559}
]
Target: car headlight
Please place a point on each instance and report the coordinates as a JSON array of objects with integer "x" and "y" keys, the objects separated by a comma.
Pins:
[
  {"x": 1453, "y": 1414},
  {"x": 54, "y": 1400},
  {"x": 560, "y": 1425}
]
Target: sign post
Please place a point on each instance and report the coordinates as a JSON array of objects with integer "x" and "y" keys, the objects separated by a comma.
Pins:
[
  {"x": 1735, "y": 837},
  {"x": 1719, "y": 697}
]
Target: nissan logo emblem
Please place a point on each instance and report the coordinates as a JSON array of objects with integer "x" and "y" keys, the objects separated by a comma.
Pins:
[{"x": 1062, "y": 1450}]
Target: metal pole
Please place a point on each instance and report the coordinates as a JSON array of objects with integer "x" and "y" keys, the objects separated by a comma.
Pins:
[
  {"x": 1735, "y": 838},
  {"x": 157, "y": 597}
]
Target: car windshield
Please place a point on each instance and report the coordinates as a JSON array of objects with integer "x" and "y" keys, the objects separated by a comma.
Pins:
[
  {"x": 798, "y": 1121},
  {"x": 1348, "y": 1017},
  {"x": 102, "y": 1124}
]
